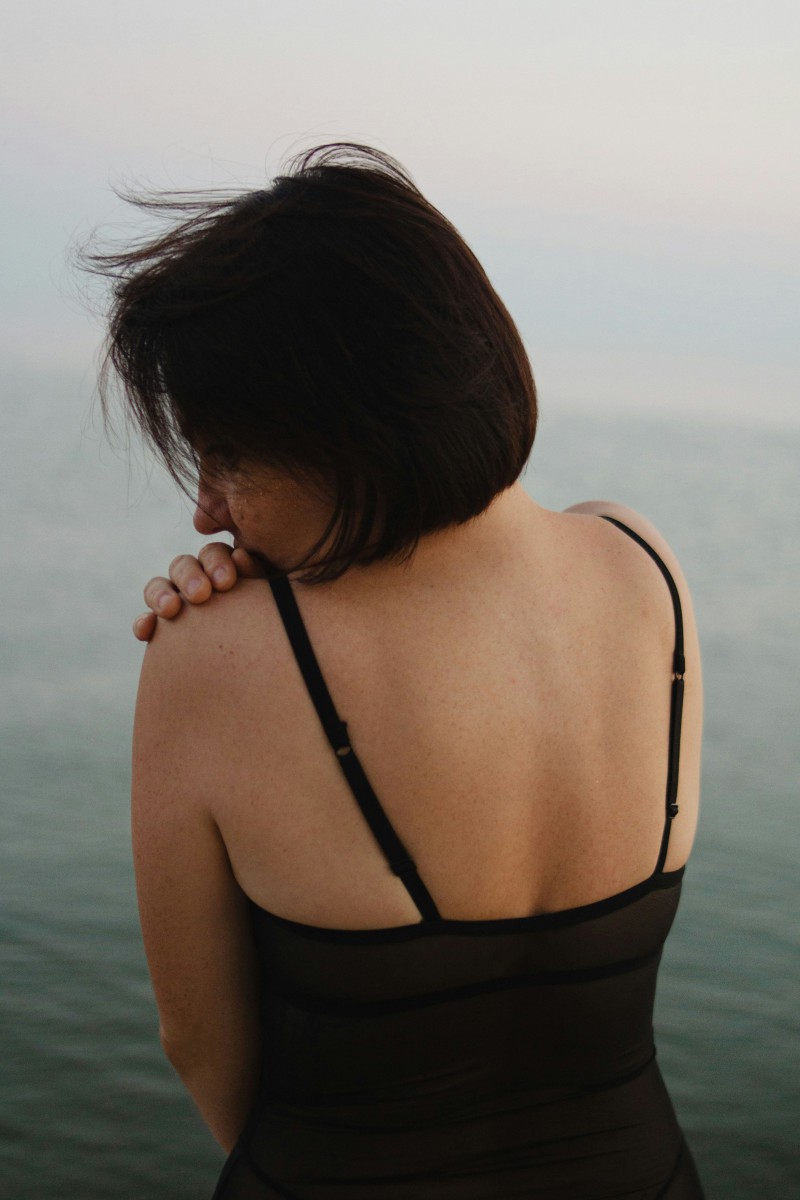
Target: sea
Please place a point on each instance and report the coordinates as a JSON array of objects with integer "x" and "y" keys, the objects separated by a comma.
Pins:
[{"x": 89, "y": 1108}]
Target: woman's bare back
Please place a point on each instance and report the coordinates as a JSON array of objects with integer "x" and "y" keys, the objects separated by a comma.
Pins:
[{"x": 511, "y": 716}]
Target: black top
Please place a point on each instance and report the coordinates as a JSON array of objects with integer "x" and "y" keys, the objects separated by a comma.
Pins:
[{"x": 457, "y": 1060}]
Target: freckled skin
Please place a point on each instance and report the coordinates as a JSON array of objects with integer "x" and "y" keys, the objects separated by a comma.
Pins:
[{"x": 516, "y": 799}]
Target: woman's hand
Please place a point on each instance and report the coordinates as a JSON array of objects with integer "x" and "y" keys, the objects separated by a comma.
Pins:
[{"x": 191, "y": 579}]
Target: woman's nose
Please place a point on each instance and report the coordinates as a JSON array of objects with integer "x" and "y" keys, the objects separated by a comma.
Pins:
[{"x": 211, "y": 513}]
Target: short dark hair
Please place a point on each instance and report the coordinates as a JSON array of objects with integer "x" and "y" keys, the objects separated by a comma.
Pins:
[{"x": 335, "y": 326}]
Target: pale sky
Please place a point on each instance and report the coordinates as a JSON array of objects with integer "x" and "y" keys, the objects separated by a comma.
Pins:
[{"x": 627, "y": 171}]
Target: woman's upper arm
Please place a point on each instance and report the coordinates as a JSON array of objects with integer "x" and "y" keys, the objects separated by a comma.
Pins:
[
  {"x": 683, "y": 830},
  {"x": 194, "y": 916}
]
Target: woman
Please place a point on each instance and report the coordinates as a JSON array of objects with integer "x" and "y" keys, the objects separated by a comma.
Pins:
[{"x": 413, "y": 801}]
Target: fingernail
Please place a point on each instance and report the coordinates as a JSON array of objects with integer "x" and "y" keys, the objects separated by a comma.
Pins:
[
  {"x": 193, "y": 587},
  {"x": 220, "y": 575}
]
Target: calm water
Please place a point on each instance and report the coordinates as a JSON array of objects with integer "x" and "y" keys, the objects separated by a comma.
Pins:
[{"x": 89, "y": 1108}]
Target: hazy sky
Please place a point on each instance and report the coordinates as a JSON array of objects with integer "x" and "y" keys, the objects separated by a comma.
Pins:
[{"x": 626, "y": 170}]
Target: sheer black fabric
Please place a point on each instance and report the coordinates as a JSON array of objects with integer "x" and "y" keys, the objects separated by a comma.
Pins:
[{"x": 464, "y": 1060}]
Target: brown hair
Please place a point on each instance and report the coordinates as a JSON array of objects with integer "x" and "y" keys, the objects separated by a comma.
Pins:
[{"x": 335, "y": 326}]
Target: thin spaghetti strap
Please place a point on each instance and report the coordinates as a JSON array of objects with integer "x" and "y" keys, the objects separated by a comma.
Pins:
[
  {"x": 396, "y": 854},
  {"x": 676, "y": 699}
]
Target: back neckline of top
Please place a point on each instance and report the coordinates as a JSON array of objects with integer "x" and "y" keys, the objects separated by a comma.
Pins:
[{"x": 659, "y": 880}]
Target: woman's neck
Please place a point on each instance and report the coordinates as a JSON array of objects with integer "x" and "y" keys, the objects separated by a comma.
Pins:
[{"x": 449, "y": 555}]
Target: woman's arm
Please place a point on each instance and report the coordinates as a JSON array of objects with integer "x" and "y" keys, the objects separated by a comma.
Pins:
[
  {"x": 685, "y": 824},
  {"x": 194, "y": 916}
]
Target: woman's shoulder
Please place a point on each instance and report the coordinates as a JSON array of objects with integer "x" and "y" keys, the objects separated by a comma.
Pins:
[
  {"x": 209, "y": 648},
  {"x": 641, "y": 582},
  {"x": 640, "y": 525},
  {"x": 637, "y": 572}
]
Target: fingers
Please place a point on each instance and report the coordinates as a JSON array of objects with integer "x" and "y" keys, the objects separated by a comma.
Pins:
[
  {"x": 193, "y": 580},
  {"x": 214, "y": 560},
  {"x": 144, "y": 626},
  {"x": 161, "y": 597},
  {"x": 188, "y": 578}
]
